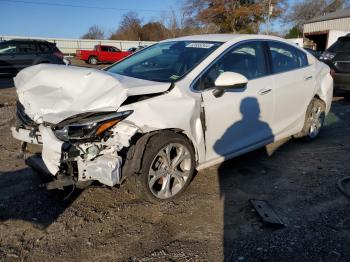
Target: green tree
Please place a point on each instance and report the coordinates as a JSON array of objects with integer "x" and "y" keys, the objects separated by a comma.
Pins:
[{"x": 294, "y": 32}]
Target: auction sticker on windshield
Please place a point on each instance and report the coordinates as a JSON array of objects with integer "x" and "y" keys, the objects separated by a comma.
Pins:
[{"x": 200, "y": 45}]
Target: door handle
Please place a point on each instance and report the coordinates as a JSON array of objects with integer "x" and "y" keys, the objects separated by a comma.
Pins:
[
  {"x": 307, "y": 78},
  {"x": 265, "y": 91}
]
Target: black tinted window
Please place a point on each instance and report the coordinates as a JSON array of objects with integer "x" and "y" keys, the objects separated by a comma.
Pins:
[
  {"x": 26, "y": 47},
  {"x": 247, "y": 59},
  {"x": 7, "y": 48},
  {"x": 285, "y": 57},
  {"x": 44, "y": 47},
  {"x": 343, "y": 44},
  {"x": 113, "y": 49},
  {"x": 104, "y": 48}
]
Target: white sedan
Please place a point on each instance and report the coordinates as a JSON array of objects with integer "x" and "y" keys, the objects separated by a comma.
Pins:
[{"x": 178, "y": 106}]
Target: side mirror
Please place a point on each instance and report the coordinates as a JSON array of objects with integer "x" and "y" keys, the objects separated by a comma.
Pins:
[{"x": 229, "y": 80}]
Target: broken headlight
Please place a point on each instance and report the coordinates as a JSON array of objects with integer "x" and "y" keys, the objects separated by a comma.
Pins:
[{"x": 90, "y": 127}]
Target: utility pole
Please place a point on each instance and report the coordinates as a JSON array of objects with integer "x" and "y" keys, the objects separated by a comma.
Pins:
[{"x": 269, "y": 13}]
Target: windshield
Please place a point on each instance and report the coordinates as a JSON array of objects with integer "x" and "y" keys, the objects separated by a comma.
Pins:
[{"x": 165, "y": 62}]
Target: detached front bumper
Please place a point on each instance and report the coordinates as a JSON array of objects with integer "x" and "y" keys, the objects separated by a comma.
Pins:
[{"x": 81, "y": 162}]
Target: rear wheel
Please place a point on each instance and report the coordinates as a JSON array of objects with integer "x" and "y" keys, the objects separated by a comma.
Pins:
[
  {"x": 167, "y": 168},
  {"x": 93, "y": 60},
  {"x": 314, "y": 119}
]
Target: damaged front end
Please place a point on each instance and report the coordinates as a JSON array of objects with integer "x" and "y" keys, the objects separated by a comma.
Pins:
[{"x": 81, "y": 148}]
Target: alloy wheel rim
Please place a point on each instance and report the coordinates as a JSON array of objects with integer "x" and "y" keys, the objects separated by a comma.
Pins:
[
  {"x": 93, "y": 61},
  {"x": 169, "y": 171}
]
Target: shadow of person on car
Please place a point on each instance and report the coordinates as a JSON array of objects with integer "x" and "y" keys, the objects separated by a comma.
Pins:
[
  {"x": 23, "y": 198},
  {"x": 242, "y": 134}
]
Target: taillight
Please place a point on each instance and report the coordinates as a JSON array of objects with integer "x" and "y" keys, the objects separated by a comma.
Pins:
[
  {"x": 332, "y": 72},
  {"x": 58, "y": 54},
  {"x": 326, "y": 55}
]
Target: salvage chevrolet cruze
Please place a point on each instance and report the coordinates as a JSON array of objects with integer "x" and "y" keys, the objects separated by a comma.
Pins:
[{"x": 175, "y": 107}]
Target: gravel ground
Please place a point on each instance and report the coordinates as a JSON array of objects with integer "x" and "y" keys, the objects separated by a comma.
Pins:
[{"x": 212, "y": 221}]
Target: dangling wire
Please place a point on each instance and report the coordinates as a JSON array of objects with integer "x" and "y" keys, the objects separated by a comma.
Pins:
[{"x": 70, "y": 193}]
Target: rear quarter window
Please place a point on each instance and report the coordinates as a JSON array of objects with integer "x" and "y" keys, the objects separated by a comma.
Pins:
[
  {"x": 45, "y": 48},
  {"x": 26, "y": 47},
  {"x": 341, "y": 45},
  {"x": 302, "y": 58},
  {"x": 285, "y": 57}
]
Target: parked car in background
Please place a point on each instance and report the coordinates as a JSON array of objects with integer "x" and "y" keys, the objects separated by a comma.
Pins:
[
  {"x": 178, "y": 106},
  {"x": 101, "y": 54},
  {"x": 17, "y": 54},
  {"x": 337, "y": 57},
  {"x": 135, "y": 49}
]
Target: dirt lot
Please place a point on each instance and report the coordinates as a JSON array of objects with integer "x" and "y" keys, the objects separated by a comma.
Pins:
[{"x": 212, "y": 221}]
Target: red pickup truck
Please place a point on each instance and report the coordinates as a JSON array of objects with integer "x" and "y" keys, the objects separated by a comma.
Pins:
[{"x": 102, "y": 54}]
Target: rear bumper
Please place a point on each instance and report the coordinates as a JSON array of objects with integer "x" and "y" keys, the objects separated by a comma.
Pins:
[{"x": 342, "y": 81}]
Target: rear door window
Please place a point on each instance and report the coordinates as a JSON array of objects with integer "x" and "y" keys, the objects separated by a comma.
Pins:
[
  {"x": 285, "y": 57},
  {"x": 26, "y": 47}
]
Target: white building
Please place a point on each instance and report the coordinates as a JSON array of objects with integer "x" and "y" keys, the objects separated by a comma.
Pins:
[{"x": 325, "y": 30}]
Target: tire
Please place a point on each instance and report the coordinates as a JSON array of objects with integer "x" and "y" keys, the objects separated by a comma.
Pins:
[
  {"x": 159, "y": 180},
  {"x": 314, "y": 120},
  {"x": 93, "y": 60}
]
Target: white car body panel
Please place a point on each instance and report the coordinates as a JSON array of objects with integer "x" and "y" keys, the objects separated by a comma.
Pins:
[
  {"x": 226, "y": 131},
  {"x": 52, "y": 93}
]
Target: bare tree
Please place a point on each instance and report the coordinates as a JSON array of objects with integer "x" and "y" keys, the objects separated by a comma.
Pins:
[
  {"x": 94, "y": 32},
  {"x": 129, "y": 28},
  {"x": 301, "y": 12},
  {"x": 153, "y": 31}
]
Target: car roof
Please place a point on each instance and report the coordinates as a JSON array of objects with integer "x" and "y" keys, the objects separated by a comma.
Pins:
[
  {"x": 224, "y": 37},
  {"x": 29, "y": 40}
]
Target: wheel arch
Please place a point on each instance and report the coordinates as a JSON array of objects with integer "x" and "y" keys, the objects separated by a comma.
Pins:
[
  {"x": 137, "y": 147},
  {"x": 90, "y": 56},
  {"x": 324, "y": 90}
]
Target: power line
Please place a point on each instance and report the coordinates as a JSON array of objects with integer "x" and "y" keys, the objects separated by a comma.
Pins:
[{"x": 78, "y": 6}]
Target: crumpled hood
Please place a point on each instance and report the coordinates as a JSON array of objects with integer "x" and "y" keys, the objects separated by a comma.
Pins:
[{"x": 51, "y": 93}]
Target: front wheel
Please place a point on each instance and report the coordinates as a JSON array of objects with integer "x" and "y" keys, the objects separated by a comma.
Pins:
[
  {"x": 167, "y": 168},
  {"x": 314, "y": 119}
]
